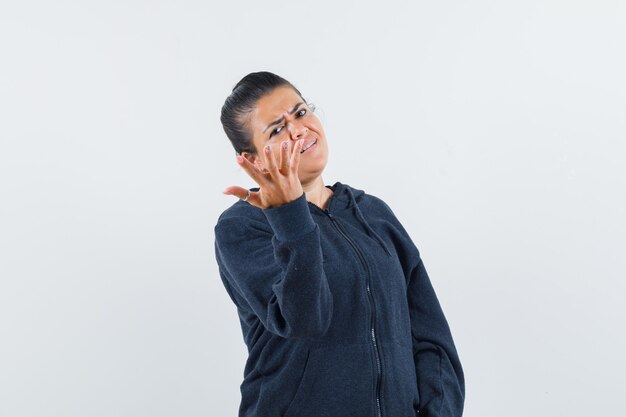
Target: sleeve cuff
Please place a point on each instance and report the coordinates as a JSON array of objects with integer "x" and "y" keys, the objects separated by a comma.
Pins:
[{"x": 291, "y": 220}]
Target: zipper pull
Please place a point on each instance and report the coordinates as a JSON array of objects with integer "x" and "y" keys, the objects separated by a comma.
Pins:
[{"x": 329, "y": 214}]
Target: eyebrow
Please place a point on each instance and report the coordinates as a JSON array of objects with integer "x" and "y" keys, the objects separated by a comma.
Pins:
[{"x": 275, "y": 122}]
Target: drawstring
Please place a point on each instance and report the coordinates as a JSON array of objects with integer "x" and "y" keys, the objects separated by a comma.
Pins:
[{"x": 368, "y": 228}]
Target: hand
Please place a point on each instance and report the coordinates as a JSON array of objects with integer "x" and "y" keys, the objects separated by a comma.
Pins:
[{"x": 280, "y": 184}]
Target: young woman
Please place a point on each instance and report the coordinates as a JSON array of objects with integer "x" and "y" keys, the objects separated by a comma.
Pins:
[{"x": 337, "y": 311}]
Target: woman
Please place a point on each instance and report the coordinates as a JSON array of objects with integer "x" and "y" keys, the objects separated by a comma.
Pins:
[{"x": 337, "y": 311}]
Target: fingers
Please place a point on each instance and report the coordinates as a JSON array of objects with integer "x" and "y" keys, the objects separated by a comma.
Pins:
[
  {"x": 284, "y": 156},
  {"x": 288, "y": 160},
  {"x": 252, "y": 170},
  {"x": 270, "y": 160},
  {"x": 295, "y": 155}
]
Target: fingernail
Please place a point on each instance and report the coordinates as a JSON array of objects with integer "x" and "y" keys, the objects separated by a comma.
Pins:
[
  {"x": 284, "y": 145},
  {"x": 267, "y": 148},
  {"x": 239, "y": 158}
]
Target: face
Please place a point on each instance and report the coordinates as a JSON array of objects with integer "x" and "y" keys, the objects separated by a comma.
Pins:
[{"x": 282, "y": 115}]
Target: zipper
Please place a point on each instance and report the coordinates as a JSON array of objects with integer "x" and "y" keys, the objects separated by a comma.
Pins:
[{"x": 372, "y": 311}]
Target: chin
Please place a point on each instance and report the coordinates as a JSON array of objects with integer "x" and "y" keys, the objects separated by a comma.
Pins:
[{"x": 312, "y": 170}]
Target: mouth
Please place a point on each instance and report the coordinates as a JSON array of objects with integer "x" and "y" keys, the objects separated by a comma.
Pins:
[{"x": 308, "y": 146}]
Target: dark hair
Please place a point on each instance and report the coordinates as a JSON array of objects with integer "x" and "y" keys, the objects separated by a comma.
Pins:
[{"x": 242, "y": 101}]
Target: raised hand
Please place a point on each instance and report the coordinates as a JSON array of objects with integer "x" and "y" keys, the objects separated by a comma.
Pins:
[{"x": 280, "y": 184}]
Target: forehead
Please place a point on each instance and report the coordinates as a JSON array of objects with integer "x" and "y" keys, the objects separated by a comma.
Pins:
[{"x": 274, "y": 105}]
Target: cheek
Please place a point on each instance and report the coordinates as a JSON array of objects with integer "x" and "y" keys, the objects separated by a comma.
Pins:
[{"x": 317, "y": 126}]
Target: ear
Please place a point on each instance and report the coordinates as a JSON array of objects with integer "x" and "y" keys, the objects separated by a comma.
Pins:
[{"x": 254, "y": 159}]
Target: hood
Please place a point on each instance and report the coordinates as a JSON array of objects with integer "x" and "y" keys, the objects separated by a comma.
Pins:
[{"x": 346, "y": 197}]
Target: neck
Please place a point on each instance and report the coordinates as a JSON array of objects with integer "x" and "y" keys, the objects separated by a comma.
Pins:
[{"x": 317, "y": 193}]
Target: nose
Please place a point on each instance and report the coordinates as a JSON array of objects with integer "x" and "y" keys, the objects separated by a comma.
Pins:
[{"x": 297, "y": 130}]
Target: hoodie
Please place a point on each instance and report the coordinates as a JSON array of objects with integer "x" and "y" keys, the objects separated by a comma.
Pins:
[{"x": 338, "y": 313}]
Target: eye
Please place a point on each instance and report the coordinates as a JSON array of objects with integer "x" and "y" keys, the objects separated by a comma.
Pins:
[
  {"x": 301, "y": 113},
  {"x": 275, "y": 131}
]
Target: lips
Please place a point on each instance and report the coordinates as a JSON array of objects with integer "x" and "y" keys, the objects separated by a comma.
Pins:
[{"x": 309, "y": 144}]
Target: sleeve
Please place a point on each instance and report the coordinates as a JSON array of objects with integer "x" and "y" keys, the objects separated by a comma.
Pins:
[
  {"x": 278, "y": 272},
  {"x": 440, "y": 376},
  {"x": 441, "y": 382}
]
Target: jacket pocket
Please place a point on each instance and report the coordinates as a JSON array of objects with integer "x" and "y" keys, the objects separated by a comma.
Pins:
[
  {"x": 400, "y": 382},
  {"x": 337, "y": 380}
]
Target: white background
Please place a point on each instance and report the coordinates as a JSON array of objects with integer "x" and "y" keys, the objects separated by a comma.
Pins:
[{"x": 494, "y": 129}]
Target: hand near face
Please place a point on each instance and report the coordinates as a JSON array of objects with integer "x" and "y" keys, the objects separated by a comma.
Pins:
[{"x": 280, "y": 184}]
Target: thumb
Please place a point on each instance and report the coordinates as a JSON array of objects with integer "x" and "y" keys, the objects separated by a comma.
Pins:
[{"x": 240, "y": 192}]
